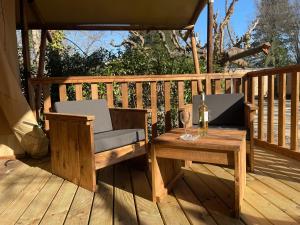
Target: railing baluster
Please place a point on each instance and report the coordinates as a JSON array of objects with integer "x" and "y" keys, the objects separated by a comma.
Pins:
[
  {"x": 252, "y": 90},
  {"x": 245, "y": 87},
  {"x": 124, "y": 89},
  {"x": 167, "y": 92},
  {"x": 260, "y": 107},
  {"x": 62, "y": 92},
  {"x": 194, "y": 87},
  {"x": 294, "y": 110},
  {"x": 281, "y": 109},
  {"x": 110, "y": 95},
  {"x": 208, "y": 85},
  {"x": 47, "y": 102},
  {"x": 218, "y": 89},
  {"x": 78, "y": 91},
  {"x": 270, "y": 136},
  {"x": 227, "y": 86},
  {"x": 139, "y": 95},
  {"x": 180, "y": 94},
  {"x": 94, "y": 89},
  {"x": 154, "y": 109}
]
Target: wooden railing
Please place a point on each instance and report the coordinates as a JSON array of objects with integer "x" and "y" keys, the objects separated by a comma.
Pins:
[
  {"x": 269, "y": 94},
  {"x": 263, "y": 87},
  {"x": 138, "y": 85}
]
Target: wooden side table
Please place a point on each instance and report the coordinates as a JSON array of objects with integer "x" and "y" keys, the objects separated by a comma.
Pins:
[{"x": 225, "y": 147}]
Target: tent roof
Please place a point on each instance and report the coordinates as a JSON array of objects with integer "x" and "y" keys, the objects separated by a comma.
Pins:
[{"x": 112, "y": 14}]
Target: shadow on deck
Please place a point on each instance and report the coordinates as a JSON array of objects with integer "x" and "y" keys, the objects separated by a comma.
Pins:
[{"x": 29, "y": 194}]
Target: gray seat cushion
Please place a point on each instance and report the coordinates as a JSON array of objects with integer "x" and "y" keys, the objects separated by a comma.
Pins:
[
  {"x": 223, "y": 109},
  {"x": 97, "y": 108},
  {"x": 117, "y": 138}
]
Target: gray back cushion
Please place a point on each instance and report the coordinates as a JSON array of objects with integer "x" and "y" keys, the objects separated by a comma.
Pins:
[
  {"x": 223, "y": 109},
  {"x": 97, "y": 108}
]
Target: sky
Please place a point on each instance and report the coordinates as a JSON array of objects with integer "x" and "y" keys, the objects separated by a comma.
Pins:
[{"x": 244, "y": 14}]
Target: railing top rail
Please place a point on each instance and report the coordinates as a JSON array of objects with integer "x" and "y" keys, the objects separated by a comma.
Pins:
[
  {"x": 133, "y": 78},
  {"x": 264, "y": 72}
]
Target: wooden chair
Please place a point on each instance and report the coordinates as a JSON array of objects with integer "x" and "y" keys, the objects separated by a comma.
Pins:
[
  {"x": 227, "y": 111},
  {"x": 86, "y": 136}
]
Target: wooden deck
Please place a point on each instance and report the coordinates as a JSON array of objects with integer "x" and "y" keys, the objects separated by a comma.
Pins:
[{"x": 31, "y": 195}]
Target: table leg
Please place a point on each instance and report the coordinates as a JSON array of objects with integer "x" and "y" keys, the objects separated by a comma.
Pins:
[
  {"x": 165, "y": 173},
  {"x": 239, "y": 177}
]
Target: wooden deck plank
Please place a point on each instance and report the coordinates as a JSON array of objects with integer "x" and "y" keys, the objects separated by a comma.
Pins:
[
  {"x": 12, "y": 185},
  {"x": 202, "y": 197},
  {"x": 102, "y": 209},
  {"x": 147, "y": 211},
  {"x": 286, "y": 205},
  {"x": 216, "y": 208},
  {"x": 22, "y": 200},
  {"x": 250, "y": 214},
  {"x": 270, "y": 211},
  {"x": 8, "y": 167},
  {"x": 193, "y": 209},
  {"x": 79, "y": 212},
  {"x": 124, "y": 206},
  {"x": 37, "y": 208},
  {"x": 171, "y": 211},
  {"x": 225, "y": 194},
  {"x": 60, "y": 205},
  {"x": 284, "y": 172}
]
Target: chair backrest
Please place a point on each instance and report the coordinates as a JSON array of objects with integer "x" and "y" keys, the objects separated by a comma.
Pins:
[
  {"x": 97, "y": 108},
  {"x": 223, "y": 109}
]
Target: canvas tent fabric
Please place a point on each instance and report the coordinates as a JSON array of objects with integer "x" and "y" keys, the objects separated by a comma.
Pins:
[
  {"x": 70, "y": 14},
  {"x": 19, "y": 132}
]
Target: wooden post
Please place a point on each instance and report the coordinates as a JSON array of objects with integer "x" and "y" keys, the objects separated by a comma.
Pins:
[
  {"x": 210, "y": 20},
  {"x": 25, "y": 49},
  {"x": 195, "y": 57},
  {"x": 40, "y": 72}
]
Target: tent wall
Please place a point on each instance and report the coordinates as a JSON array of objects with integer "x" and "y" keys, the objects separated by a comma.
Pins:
[{"x": 19, "y": 133}]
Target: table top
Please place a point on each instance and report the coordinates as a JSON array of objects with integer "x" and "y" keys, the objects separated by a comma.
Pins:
[{"x": 216, "y": 139}]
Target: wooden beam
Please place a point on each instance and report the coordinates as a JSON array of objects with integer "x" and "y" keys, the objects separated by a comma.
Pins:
[
  {"x": 133, "y": 78},
  {"x": 210, "y": 23},
  {"x": 104, "y": 27},
  {"x": 195, "y": 58},
  {"x": 286, "y": 69}
]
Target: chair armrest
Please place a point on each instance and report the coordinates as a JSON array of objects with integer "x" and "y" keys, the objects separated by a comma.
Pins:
[
  {"x": 126, "y": 118},
  {"x": 69, "y": 117},
  {"x": 250, "y": 106},
  {"x": 188, "y": 108}
]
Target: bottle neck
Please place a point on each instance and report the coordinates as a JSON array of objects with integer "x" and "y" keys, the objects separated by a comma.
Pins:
[{"x": 203, "y": 97}]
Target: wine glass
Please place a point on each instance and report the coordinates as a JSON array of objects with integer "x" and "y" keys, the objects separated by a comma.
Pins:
[{"x": 185, "y": 118}]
